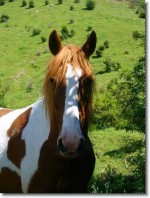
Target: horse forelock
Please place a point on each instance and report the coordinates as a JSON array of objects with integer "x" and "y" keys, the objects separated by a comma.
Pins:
[{"x": 56, "y": 70}]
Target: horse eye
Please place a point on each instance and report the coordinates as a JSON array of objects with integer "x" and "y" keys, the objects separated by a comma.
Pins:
[{"x": 52, "y": 80}]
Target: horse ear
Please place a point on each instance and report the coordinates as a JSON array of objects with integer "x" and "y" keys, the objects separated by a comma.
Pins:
[
  {"x": 54, "y": 43},
  {"x": 90, "y": 44}
]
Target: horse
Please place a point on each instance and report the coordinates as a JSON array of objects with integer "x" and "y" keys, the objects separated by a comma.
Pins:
[{"x": 45, "y": 147}]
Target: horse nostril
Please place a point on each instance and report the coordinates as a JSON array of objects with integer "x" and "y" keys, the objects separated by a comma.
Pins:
[{"x": 61, "y": 146}]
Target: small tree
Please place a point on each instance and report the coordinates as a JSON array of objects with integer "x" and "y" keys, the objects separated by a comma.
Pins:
[
  {"x": 60, "y": 1},
  {"x": 46, "y": 2},
  {"x": 43, "y": 39},
  {"x": 2, "y": 2},
  {"x": 36, "y": 32},
  {"x": 24, "y": 3},
  {"x": 64, "y": 32},
  {"x": 4, "y": 18},
  {"x": 90, "y": 4},
  {"x": 106, "y": 44},
  {"x": 31, "y": 4}
]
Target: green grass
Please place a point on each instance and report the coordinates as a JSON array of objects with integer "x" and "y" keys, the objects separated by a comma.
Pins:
[
  {"x": 114, "y": 171},
  {"x": 24, "y": 58}
]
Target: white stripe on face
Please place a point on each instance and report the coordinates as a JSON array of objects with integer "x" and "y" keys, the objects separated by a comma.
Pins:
[{"x": 71, "y": 132}]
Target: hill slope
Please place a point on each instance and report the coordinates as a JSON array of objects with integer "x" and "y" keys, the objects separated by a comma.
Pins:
[{"x": 24, "y": 57}]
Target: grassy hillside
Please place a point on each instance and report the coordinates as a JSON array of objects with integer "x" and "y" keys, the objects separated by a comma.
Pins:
[
  {"x": 120, "y": 156},
  {"x": 120, "y": 162},
  {"x": 24, "y": 58}
]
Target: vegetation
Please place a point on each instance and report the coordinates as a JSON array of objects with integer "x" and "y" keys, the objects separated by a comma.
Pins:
[
  {"x": 31, "y": 4},
  {"x": 4, "y": 18},
  {"x": 2, "y": 2},
  {"x": 36, "y": 32},
  {"x": 90, "y": 4},
  {"x": 118, "y": 120},
  {"x": 46, "y": 2},
  {"x": 60, "y": 1},
  {"x": 24, "y": 3}
]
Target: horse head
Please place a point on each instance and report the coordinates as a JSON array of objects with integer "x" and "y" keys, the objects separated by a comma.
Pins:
[{"x": 68, "y": 90}]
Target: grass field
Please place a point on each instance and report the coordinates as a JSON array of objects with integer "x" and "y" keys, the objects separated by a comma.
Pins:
[
  {"x": 116, "y": 161},
  {"x": 24, "y": 59}
]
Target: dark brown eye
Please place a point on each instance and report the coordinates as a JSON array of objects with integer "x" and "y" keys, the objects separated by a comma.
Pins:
[{"x": 52, "y": 82}]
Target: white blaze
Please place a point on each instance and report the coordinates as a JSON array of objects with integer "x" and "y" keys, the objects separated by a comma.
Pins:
[{"x": 71, "y": 132}]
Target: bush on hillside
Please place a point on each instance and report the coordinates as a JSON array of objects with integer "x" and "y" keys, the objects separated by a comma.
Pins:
[
  {"x": 90, "y": 4},
  {"x": 77, "y": 1},
  {"x": 46, "y": 2},
  {"x": 99, "y": 53},
  {"x": 105, "y": 113},
  {"x": 141, "y": 8},
  {"x": 36, "y": 32},
  {"x": 11, "y": 0},
  {"x": 60, "y": 1},
  {"x": 111, "y": 65},
  {"x": 4, "y": 18},
  {"x": 72, "y": 33},
  {"x": 89, "y": 29},
  {"x": 106, "y": 44},
  {"x": 71, "y": 8},
  {"x": 138, "y": 35},
  {"x": 43, "y": 39},
  {"x": 64, "y": 32},
  {"x": 31, "y": 4},
  {"x": 2, "y": 2},
  {"x": 24, "y": 3}
]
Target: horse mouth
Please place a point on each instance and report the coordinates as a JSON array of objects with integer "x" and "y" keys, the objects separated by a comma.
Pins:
[{"x": 68, "y": 155}]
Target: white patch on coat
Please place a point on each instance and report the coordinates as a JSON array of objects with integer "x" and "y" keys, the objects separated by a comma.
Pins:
[
  {"x": 5, "y": 123},
  {"x": 71, "y": 132},
  {"x": 35, "y": 134}
]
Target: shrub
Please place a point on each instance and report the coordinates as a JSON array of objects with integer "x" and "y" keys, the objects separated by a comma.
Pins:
[
  {"x": 60, "y": 1},
  {"x": 64, "y": 32},
  {"x": 104, "y": 111},
  {"x": 141, "y": 8},
  {"x": 43, "y": 39},
  {"x": 71, "y": 8},
  {"x": 2, "y": 2},
  {"x": 111, "y": 65},
  {"x": 137, "y": 35},
  {"x": 71, "y": 21},
  {"x": 31, "y": 4},
  {"x": 24, "y": 3},
  {"x": 46, "y": 2},
  {"x": 77, "y": 1},
  {"x": 99, "y": 53},
  {"x": 101, "y": 48},
  {"x": 90, "y": 4},
  {"x": 129, "y": 91},
  {"x": 4, "y": 18},
  {"x": 11, "y": 0},
  {"x": 106, "y": 44},
  {"x": 89, "y": 29},
  {"x": 72, "y": 33},
  {"x": 36, "y": 32}
]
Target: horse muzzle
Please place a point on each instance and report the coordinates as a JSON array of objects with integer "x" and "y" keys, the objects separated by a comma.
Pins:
[{"x": 71, "y": 150}]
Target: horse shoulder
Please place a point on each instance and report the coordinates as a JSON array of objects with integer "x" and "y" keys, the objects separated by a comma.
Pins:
[{"x": 12, "y": 149}]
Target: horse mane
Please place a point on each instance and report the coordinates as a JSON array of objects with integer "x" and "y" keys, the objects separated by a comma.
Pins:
[{"x": 57, "y": 69}]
